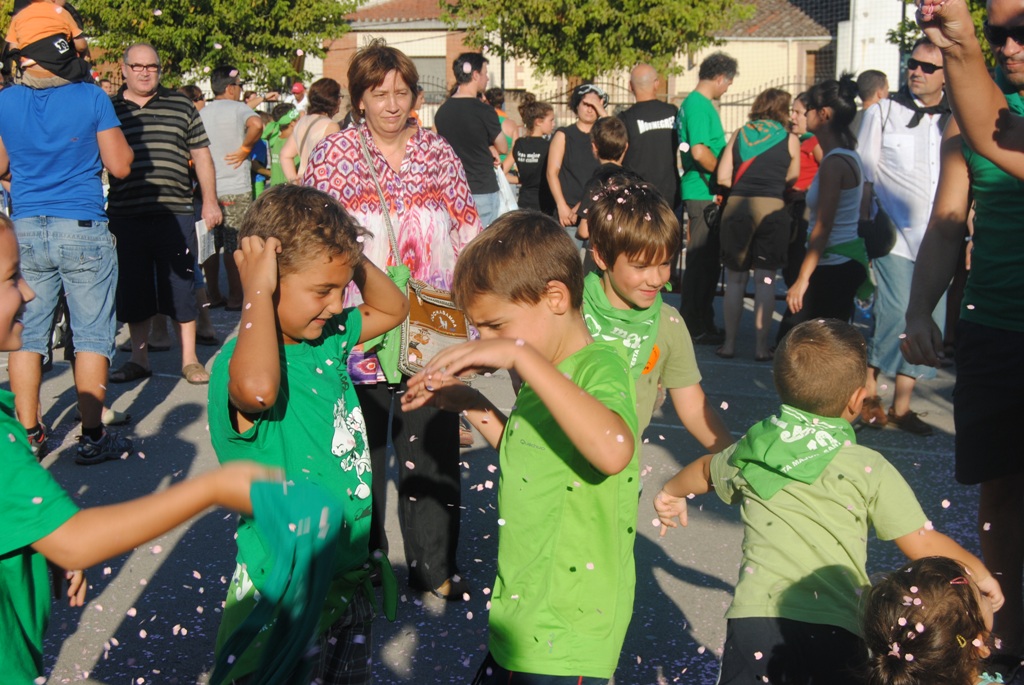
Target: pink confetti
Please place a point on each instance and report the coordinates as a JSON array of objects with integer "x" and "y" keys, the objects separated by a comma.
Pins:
[
  {"x": 909, "y": 657},
  {"x": 656, "y": 522},
  {"x": 701, "y": 649},
  {"x": 248, "y": 305},
  {"x": 619, "y": 438},
  {"x": 987, "y": 527},
  {"x": 10, "y": 436},
  {"x": 156, "y": 549},
  {"x": 131, "y": 612},
  {"x": 724, "y": 406},
  {"x": 409, "y": 465},
  {"x": 37, "y": 500},
  {"x": 412, "y": 438},
  {"x": 590, "y": 566},
  {"x": 758, "y": 655},
  {"x": 157, "y": 13},
  {"x": 945, "y": 504},
  {"x": 970, "y": 306},
  {"x": 902, "y": 621},
  {"x": 919, "y": 627},
  {"x": 867, "y": 469},
  {"x": 142, "y": 633},
  {"x": 217, "y": 46},
  {"x": 520, "y": 342}
]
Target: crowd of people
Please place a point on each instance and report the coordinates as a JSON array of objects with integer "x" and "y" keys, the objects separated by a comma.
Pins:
[{"x": 322, "y": 224}]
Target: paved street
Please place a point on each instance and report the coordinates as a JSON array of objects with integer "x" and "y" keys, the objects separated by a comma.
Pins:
[{"x": 153, "y": 614}]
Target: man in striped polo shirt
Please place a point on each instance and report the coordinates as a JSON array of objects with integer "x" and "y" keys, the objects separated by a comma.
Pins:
[{"x": 151, "y": 211}]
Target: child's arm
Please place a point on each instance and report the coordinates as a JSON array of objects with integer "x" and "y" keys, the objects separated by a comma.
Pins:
[
  {"x": 601, "y": 435},
  {"x": 384, "y": 306},
  {"x": 670, "y": 503},
  {"x": 700, "y": 419},
  {"x": 255, "y": 370},
  {"x": 930, "y": 543},
  {"x": 92, "y": 535}
]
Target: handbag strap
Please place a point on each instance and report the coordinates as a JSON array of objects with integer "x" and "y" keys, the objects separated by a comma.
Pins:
[{"x": 385, "y": 209}]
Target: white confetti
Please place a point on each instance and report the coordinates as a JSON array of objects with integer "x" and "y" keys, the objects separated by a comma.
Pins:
[
  {"x": 142, "y": 633},
  {"x": 501, "y": 522},
  {"x": 249, "y": 325},
  {"x": 217, "y": 46},
  {"x": 987, "y": 526},
  {"x": 469, "y": 615},
  {"x": 656, "y": 522},
  {"x": 945, "y": 504},
  {"x": 590, "y": 566},
  {"x": 37, "y": 500},
  {"x": 131, "y": 612},
  {"x": 724, "y": 406},
  {"x": 157, "y": 13}
]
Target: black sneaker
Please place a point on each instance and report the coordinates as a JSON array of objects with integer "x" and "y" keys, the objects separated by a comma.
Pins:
[
  {"x": 37, "y": 442},
  {"x": 110, "y": 446}
]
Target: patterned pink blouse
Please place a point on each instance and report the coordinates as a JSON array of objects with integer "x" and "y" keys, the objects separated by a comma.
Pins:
[{"x": 431, "y": 208}]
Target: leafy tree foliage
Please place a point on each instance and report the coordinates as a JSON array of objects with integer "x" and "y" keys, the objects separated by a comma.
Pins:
[
  {"x": 265, "y": 39},
  {"x": 588, "y": 38}
]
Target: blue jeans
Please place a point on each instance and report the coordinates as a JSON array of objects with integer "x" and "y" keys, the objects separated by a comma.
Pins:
[
  {"x": 80, "y": 257},
  {"x": 487, "y": 205}
]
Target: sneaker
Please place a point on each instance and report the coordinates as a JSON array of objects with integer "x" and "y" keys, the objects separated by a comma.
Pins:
[
  {"x": 37, "y": 443},
  {"x": 110, "y": 446},
  {"x": 909, "y": 422},
  {"x": 871, "y": 413}
]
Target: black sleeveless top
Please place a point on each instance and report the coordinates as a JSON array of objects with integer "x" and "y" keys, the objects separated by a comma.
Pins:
[
  {"x": 578, "y": 164},
  {"x": 766, "y": 176}
]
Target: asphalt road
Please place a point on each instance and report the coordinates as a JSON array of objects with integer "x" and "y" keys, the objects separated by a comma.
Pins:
[{"x": 153, "y": 614}]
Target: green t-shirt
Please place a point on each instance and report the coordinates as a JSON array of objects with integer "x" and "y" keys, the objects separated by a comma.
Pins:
[
  {"x": 315, "y": 431},
  {"x": 698, "y": 123},
  {"x": 277, "y": 177},
  {"x": 672, "y": 362},
  {"x": 564, "y": 593},
  {"x": 33, "y": 506},
  {"x": 996, "y": 279},
  {"x": 805, "y": 549}
]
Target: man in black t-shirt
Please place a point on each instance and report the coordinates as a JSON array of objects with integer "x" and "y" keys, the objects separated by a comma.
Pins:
[
  {"x": 651, "y": 127},
  {"x": 472, "y": 128}
]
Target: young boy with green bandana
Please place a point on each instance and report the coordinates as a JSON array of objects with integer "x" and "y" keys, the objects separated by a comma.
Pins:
[
  {"x": 808, "y": 494},
  {"x": 634, "y": 235},
  {"x": 568, "y": 490},
  {"x": 280, "y": 394}
]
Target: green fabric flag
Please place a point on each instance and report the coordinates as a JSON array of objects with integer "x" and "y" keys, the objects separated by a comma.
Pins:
[
  {"x": 793, "y": 446},
  {"x": 858, "y": 252},
  {"x": 759, "y": 136},
  {"x": 388, "y": 346},
  {"x": 637, "y": 328}
]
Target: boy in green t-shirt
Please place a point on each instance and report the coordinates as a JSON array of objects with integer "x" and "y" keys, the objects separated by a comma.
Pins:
[
  {"x": 634, "y": 235},
  {"x": 280, "y": 394},
  {"x": 568, "y": 488},
  {"x": 42, "y": 523},
  {"x": 808, "y": 494}
]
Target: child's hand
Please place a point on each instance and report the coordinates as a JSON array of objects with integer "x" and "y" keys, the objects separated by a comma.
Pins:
[
  {"x": 670, "y": 507},
  {"x": 257, "y": 264},
  {"x": 76, "y": 587},
  {"x": 448, "y": 394},
  {"x": 991, "y": 591},
  {"x": 234, "y": 480}
]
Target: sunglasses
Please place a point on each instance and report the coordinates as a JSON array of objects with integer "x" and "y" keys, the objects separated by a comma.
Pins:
[
  {"x": 926, "y": 67},
  {"x": 997, "y": 35}
]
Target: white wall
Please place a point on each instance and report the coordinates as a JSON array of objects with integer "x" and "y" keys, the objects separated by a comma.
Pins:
[{"x": 861, "y": 40}]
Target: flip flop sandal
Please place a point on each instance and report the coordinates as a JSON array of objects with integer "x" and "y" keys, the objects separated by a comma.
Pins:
[
  {"x": 191, "y": 370},
  {"x": 129, "y": 371}
]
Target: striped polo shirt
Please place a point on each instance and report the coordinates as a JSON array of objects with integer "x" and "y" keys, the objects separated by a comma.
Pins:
[{"x": 162, "y": 135}]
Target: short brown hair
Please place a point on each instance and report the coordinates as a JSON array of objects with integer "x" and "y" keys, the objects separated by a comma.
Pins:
[
  {"x": 531, "y": 110},
  {"x": 819, "y": 365},
  {"x": 324, "y": 97},
  {"x": 610, "y": 137},
  {"x": 515, "y": 259},
  {"x": 920, "y": 624},
  {"x": 633, "y": 220},
  {"x": 309, "y": 223},
  {"x": 369, "y": 67},
  {"x": 772, "y": 104}
]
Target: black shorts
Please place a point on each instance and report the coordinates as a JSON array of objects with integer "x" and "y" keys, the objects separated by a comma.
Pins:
[
  {"x": 755, "y": 233},
  {"x": 987, "y": 402},
  {"x": 156, "y": 264},
  {"x": 789, "y": 652}
]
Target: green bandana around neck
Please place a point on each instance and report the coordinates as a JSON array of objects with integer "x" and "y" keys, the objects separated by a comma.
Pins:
[
  {"x": 636, "y": 328},
  {"x": 759, "y": 136},
  {"x": 793, "y": 446}
]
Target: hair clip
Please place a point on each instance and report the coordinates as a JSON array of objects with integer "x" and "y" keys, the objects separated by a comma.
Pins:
[
  {"x": 961, "y": 640},
  {"x": 959, "y": 580}
]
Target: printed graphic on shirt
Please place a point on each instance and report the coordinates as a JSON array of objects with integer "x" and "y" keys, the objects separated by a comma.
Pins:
[{"x": 349, "y": 443}]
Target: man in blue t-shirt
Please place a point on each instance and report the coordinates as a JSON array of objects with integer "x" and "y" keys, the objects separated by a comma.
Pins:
[{"x": 54, "y": 144}]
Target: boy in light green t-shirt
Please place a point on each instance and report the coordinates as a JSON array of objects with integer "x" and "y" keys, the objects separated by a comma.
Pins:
[
  {"x": 567, "y": 494},
  {"x": 808, "y": 495},
  {"x": 634, "y": 235}
]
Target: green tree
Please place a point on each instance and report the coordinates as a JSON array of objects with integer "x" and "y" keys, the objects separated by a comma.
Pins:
[
  {"x": 265, "y": 39},
  {"x": 593, "y": 37},
  {"x": 907, "y": 31}
]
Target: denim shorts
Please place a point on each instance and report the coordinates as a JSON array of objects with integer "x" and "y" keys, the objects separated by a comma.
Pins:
[
  {"x": 487, "y": 206},
  {"x": 80, "y": 257}
]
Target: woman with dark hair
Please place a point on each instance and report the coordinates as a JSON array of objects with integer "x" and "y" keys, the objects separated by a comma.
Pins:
[
  {"x": 324, "y": 101},
  {"x": 810, "y": 159},
  {"x": 571, "y": 160},
  {"x": 386, "y": 161},
  {"x": 836, "y": 261},
  {"x": 531, "y": 154},
  {"x": 760, "y": 162}
]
